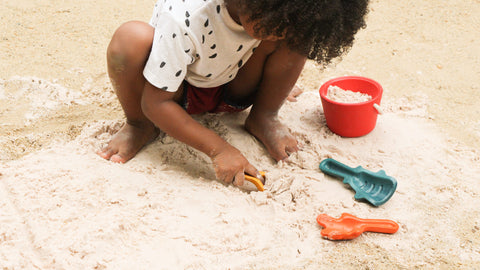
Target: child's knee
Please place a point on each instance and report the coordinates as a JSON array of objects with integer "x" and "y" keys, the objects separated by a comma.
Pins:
[{"x": 131, "y": 40}]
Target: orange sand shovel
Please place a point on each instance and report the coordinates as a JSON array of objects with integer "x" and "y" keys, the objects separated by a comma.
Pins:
[
  {"x": 257, "y": 182},
  {"x": 349, "y": 226}
]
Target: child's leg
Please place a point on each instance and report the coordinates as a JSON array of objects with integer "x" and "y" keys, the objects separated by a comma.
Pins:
[
  {"x": 126, "y": 57},
  {"x": 272, "y": 72}
]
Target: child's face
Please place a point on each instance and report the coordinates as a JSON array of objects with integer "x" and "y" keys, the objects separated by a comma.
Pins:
[{"x": 249, "y": 27}]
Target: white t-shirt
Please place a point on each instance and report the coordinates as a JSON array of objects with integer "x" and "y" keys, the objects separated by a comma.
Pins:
[{"x": 196, "y": 41}]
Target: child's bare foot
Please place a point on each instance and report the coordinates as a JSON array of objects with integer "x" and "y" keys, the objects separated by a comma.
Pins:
[
  {"x": 276, "y": 137},
  {"x": 126, "y": 143},
  {"x": 296, "y": 91}
]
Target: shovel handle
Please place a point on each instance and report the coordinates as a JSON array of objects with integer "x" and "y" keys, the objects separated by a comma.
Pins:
[
  {"x": 335, "y": 168},
  {"x": 257, "y": 182},
  {"x": 379, "y": 225}
]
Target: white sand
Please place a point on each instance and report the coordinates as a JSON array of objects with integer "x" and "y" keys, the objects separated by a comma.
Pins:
[
  {"x": 338, "y": 94},
  {"x": 63, "y": 207}
]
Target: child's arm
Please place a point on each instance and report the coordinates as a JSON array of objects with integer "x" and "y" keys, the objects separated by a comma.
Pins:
[
  {"x": 280, "y": 73},
  {"x": 229, "y": 163},
  {"x": 281, "y": 70}
]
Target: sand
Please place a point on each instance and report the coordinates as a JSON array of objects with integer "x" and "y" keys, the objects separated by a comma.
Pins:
[
  {"x": 338, "y": 94},
  {"x": 63, "y": 207}
]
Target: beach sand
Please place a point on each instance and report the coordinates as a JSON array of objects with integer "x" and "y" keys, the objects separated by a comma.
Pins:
[{"x": 63, "y": 207}]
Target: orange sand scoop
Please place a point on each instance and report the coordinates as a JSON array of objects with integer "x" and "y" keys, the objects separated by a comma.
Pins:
[
  {"x": 257, "y": 182},
  {"x": 349, "y": 226}
]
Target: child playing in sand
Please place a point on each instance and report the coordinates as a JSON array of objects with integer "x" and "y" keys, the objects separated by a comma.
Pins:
[{"x": 199, "y": 56}]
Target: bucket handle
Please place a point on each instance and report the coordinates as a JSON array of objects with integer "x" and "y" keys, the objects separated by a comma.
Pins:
[{"x": 378, "y": 108}]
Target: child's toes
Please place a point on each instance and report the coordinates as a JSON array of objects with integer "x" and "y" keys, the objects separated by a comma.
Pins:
[
  {"x": 291, "y": 149},
  {"x": 117, "y": 158},
  {"x": 279, "y": 154},
  {"x": 106, "y": 153}
]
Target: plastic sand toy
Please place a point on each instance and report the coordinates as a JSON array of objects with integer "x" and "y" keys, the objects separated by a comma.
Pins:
[
  {"x": 352, "y": 119},
  {"x": 257, "y": 182},
  {"x": 349, "y": 226},
  {"x": 377, "y": 188}
]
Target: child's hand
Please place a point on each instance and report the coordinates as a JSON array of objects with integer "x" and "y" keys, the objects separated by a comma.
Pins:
[{"x": 231, "y": 166}]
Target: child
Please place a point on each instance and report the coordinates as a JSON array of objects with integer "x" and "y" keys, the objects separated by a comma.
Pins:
[{"x": 199, "y": 56}]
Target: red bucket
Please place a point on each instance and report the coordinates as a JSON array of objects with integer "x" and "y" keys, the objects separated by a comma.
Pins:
[{"x": 352, "y": 119}]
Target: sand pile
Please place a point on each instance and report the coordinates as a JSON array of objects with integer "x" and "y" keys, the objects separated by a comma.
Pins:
[
  {"x": 63, "y": 207},
  {"x": 67, "y": 208}
]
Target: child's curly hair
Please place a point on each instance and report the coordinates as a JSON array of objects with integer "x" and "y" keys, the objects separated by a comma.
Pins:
[{"x": 319, "y": 29}]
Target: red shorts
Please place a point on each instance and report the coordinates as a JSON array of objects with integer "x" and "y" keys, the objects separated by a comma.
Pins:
[{"x": 198, "y": 100}]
